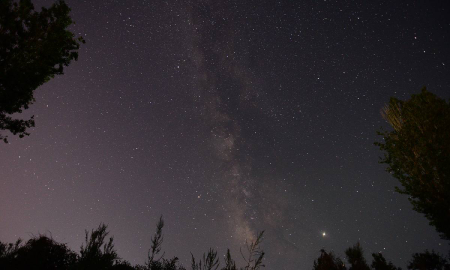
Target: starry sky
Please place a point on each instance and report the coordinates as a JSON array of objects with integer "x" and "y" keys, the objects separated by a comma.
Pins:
[{"x": 228, "y": 118}]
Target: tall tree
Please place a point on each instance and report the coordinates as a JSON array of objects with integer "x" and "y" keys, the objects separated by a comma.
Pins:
[
  {"x": 417, "y": 152},
  {"x": 34, "y": 47}
]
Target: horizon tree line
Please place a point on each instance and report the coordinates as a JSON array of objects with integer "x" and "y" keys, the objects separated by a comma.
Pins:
[{"x": 98, "y": 253}]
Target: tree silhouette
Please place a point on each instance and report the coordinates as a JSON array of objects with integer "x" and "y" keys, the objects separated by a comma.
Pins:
[
  {"x": 39, "y": 253},
  {"x": 417, "y": 153},
  {"x": 209, "y": 262},
  {"x": 8, "y": 254},
  {"x": 43, "y": 253},
  {"x": 230, "y": 264},
  {"x": 160, "y": 263},
  {"x": 34, "y": 47},
  {"x": 96, "y": 253},
  {"x": 428, "y": 261},
  {"x": 254, "y": 254},
  {"x": 123, "y": 265},
  {"x": 380, "y": 263},
  {"x": 327, "y": 261},
  {"x": 253, "y": 258},
  {"x": 355, "y": 256}
]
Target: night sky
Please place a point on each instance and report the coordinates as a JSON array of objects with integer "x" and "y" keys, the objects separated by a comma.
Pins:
[{"x": 228, "y": 118}]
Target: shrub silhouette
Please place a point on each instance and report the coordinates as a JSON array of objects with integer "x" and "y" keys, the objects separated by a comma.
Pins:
[
  {"x": 8, "y": 254},
  {"x": 380, "y": 263},
  {"x": 39, "y": 253},
  {"x": 355, "y": 256},
  {"x": 428, "y": 260},
  {"x": 98, "y": 253},
  {"x": 327, "y": 261}
]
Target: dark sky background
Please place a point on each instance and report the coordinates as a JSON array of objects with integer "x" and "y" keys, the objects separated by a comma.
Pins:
[{"x": 228, "y": 117}]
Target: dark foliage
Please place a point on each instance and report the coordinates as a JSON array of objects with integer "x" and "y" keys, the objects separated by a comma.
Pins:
[
  {"x": 327, "y": 261},
  {"x": 122, "y": 265},
  {"x": 39, "y": 253},
  {"x": 255, "y": 255},
  {"x": 8, "y": 254},
  {"x": 209, "y": 262},
  {"x": 155, "y": 263},
  {"x": 428, "y": 261},
  {"x": 355, "y": 257},
  {"x": 417, "y": 153},
  {"x": 230, "y": 264},
  {"x": 98, "y": 253},
  {"x": 34, "y": 47},
  {"x": 380, "y": 263}
]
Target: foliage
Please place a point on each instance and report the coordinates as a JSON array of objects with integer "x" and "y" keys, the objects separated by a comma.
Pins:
[
  {"x": 98, "y": 253},
  {"x": 45, "y": 253},
  {"x": 230, "y": 264},
  {"x": 380, "y": 263},
  {"x": 39, "y": 253},
  {"x": 34, "y": 47},
  {"x": 122, "y": 265},
  {"x": 161, "y": 263},
  {"x": 255, "y": 254},
  {"x": 8, "y": 254},
  {"x": 209, "y": 262},
  {"x": 92, "y": 255},
  {"x": 253, "y": 259},
  {"x": 327, "y": 261},
  {"x": 428, "y": 261},
  {"x": 417, "y": 153},
  {"x": 355, "y": 256}
]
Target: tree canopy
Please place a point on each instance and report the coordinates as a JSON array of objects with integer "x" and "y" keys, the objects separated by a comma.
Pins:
[
  {"x": 355, "y": 257},
  {"x": 34, "y": 47},
  {"x": 328, "y": 261},
  {"x": 428, "y": 260},
  {"x": 98, "y": 252},
  {"x": 380, "y": 263},
  {"x": 417, "y": 152}
]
